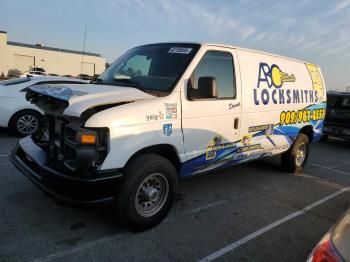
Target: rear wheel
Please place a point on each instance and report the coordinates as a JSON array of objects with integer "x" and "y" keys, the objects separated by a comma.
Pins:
[
  {"x": 296, "y": 157},
  {"x": 148, "y": 191},
  {"x": 26, "y": 122}
]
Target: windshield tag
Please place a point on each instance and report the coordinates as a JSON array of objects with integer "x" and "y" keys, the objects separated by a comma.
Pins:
[{"x": 180, "y": 50}]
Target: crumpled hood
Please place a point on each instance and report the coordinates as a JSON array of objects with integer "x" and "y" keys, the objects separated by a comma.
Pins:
[{"x": 80, "y": 97}]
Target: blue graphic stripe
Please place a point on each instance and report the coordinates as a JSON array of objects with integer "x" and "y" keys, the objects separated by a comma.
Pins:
[
  {"x": 290, "y": 132},
  {"x": 270, "y": 139}
]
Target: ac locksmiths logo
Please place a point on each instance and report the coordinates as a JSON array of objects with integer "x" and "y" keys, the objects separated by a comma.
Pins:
[
  {"x": 273, "y": 76},
  {"x": 270, "y": 87}
]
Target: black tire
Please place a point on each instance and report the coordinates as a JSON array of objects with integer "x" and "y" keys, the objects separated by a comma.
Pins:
[
  {"x": 136, "y": 172},
  {"x": 34, "y": 116},
  {"x": 290, "y": 158}
]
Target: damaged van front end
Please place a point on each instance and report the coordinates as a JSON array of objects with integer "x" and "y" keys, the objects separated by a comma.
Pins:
[{"x": 65, "y": 159}]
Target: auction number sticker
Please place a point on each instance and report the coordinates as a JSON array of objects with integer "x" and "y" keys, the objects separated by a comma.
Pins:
[
  {"x": 180, "y": 50},
  {"x": 301, "y": 116}
]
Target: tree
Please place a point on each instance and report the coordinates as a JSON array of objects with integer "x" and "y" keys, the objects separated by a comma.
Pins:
[{"x": 14, "y": 73}]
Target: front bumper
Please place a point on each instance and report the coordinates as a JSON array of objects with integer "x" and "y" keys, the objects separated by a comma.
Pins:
[{"x": 30, "y": 159}]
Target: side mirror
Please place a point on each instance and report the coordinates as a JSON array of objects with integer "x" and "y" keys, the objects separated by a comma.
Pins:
[{"x": 207, "y": 89}]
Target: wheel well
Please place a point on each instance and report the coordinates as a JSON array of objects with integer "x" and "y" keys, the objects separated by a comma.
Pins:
[
  {"x": 20, "y": 111},
  {"x": 308, "y": 131},
  {"x": 165, "y": 150}
]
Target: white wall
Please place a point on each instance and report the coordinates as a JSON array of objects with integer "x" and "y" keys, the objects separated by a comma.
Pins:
[
  {"x": 61, "y": 63},
  {"x": 3, "y": 53}
]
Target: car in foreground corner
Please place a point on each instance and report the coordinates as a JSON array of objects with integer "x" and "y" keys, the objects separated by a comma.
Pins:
[
  {"x": 19, "y": 114},
  {"x": 334, "y": 246}
]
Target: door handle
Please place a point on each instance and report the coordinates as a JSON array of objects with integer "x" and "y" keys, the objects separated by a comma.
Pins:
[{"x": 236, "y": 123}]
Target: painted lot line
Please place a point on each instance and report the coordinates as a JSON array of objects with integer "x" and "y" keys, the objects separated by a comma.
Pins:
[
  {"x": 320, "y": 181},
  {"x": 267, "y": 228},
  {"x": 331, "y": 168}
]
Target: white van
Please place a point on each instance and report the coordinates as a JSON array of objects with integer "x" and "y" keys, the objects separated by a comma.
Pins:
[{"x": 164, "y": 112}]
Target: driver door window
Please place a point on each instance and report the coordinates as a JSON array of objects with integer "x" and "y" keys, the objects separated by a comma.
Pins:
[{"x": 219, "y": 65}]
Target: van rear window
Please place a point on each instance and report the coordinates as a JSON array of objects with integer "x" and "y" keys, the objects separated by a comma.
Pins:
[{"x": 15, "y": 81}]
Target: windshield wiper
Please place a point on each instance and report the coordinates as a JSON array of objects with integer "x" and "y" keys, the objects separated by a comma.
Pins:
[
  {"x": 126, "y": 80},
  {"x": 137, "y": 86},
  {"x": 134, "y": 84},
  {"x": 96, "y": 81}
]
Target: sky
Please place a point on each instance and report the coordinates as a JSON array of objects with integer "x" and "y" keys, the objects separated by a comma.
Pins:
[{"x": 317, "y": 31}]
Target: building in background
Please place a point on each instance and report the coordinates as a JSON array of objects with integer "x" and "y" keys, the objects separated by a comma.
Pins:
[{"x": 21, "y": 57}]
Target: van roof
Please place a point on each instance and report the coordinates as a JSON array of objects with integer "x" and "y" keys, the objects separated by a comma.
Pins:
[
  {"x": 254, "y": 51},
  {"x": 236, "y": 47}
]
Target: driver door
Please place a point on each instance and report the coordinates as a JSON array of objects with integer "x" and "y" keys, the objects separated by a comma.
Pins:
[{"x": 211, "y": 124}]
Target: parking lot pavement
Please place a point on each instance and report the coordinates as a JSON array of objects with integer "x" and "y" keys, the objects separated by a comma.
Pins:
[{"x": 253, "y": 212}]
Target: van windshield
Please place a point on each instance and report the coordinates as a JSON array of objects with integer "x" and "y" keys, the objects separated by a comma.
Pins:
[{"x": 151, "y": 68}]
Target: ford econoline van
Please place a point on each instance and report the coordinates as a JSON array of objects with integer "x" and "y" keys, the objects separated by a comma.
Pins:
[{"x": 165, "y": 112}]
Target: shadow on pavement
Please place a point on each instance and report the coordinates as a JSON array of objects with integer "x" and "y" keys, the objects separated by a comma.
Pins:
[
  {"x": 337, "y": 142},
  {"x": 6, "y": 132}
]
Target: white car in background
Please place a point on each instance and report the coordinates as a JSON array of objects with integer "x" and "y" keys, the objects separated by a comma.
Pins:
[
  {"x": 35, "y": 71},
  {"x": 16, "y": 112}
]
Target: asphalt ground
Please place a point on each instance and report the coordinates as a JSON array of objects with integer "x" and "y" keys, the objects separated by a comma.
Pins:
[{"x": 253, "y": 212}]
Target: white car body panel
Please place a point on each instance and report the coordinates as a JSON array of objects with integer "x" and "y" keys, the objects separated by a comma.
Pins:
[
  {"x": 100, "y": 95},
  {"x": 12, "y": 99},
  {"x": 138, "y": 125}
]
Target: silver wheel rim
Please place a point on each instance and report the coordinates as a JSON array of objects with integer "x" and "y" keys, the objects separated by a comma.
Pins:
[
  {"x": 27, "y": 124},
  {"x": 300, "y": 154},
  {"x": 151, "y": 195}
]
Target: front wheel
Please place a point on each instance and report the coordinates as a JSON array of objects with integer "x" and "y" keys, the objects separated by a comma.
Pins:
[
  {"x": 296, "y": 157},
  {"x": 26, "y": 122},
  {"x": 148, "y": 191}
]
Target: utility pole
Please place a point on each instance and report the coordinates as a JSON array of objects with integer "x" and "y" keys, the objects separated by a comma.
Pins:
[{"x": 82, "y": 57}]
